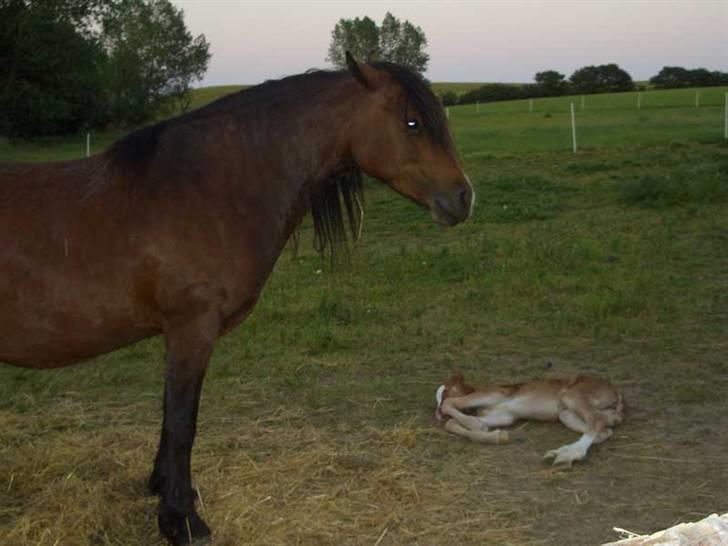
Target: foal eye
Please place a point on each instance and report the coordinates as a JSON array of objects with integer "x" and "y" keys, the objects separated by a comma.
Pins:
[{"x": 412, "y": 124}]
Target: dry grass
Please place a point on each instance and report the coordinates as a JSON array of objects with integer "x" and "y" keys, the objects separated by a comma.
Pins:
[
  {"x": 74, "y": 474},
  {"x": 275, "y": 480}
]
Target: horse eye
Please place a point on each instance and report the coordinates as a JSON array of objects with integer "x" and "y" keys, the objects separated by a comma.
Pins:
[{"x": 412, "y": 124}]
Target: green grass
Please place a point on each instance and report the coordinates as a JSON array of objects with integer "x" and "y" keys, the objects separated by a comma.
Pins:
[
  {"x": 610, "y": 261},
  {"x": 203, "y": 95}
]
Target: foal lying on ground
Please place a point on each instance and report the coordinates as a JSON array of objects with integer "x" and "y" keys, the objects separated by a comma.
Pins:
[{"x": 588, "y": 405}]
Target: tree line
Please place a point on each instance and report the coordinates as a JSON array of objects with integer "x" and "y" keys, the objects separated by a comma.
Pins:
[
  {"x": 67, "y": 65},
  {"x": 606, "y": 78}
]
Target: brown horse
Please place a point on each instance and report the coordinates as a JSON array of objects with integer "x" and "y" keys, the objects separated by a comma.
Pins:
[{"x": 176, "y": 227}]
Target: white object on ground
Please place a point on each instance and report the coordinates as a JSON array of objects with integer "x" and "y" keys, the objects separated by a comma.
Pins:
[{"x": 711, "y": 531}]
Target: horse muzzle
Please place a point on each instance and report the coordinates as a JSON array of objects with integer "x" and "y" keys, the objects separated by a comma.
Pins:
[{"x": 453, "y": 207}]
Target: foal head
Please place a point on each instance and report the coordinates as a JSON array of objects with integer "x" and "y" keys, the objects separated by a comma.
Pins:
[
  {"x": 454, "y": 387},
  {"x": 399, "y": 134}
]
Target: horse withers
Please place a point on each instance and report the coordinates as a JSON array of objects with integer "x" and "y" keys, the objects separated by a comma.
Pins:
[{"x": 176, "y": 227}]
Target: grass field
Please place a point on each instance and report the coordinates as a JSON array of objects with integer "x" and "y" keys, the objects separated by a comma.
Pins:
[{"x": 316, "y": 418}]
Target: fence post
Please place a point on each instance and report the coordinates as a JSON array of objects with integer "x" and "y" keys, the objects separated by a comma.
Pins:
[
  {"x": 725, "y": 123},
  {"x": 88, "y": 144},
  {"x": 573, "y": 128},
  {"x": 639, "y": 101},
  {"x": 530, "y": 105}
]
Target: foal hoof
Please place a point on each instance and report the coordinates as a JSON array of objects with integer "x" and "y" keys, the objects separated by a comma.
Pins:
[{"x": 184, "y": 530}]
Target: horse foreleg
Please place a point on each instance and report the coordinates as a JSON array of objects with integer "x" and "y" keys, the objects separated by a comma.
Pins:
[
  {"x": 188, "y": 351},
  {"x": 157, "y": 478}
]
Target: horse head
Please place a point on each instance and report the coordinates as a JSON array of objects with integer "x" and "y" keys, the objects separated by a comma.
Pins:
[{"x": 399, "y": 134}]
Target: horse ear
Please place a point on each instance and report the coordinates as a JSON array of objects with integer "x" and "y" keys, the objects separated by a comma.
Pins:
[{"x": 363, "y": 74}]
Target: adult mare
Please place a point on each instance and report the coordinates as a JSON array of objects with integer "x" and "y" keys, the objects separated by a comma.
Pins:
[{"x": 176, "y": 227}]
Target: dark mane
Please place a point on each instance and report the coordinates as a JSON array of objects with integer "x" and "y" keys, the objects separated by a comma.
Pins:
[
  {"x": 337, "y": 201},
  {"x": 341, "y": 194},
  {"x": 133, "y": 153}
]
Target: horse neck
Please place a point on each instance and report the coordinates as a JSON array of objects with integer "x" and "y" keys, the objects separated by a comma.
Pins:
[{"x": 293, "y": 147}]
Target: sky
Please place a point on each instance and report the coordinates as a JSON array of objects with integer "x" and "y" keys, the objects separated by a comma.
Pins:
[{"x": 468, "y": 41}]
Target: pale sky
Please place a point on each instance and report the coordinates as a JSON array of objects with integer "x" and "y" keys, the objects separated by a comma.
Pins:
[{"x": 482, "y": 41}]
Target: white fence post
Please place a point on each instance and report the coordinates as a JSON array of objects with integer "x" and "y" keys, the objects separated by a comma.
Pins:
[
  {"x": 697, "y": 98},
  {"x": 530, "y": 105},
  {"x": 88, "y": 144},
  {"x": 573, "y": 128},
  {"x": 725, "y": 123},
  {"x": 582, "y": 103},
  {"x": 639, "y": 101},
  {"x": 477, "y": 107}
]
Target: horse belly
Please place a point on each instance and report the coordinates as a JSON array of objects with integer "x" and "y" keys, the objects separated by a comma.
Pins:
[{"x": 54, "y": 319}]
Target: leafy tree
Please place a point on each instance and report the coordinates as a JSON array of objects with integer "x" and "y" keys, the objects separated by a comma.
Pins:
[
  {"x": 152, "y": 59},
  {"x": 606, "y": 78},
  {"x": 550, "y": 83},
  {"x": 672, "y": 77},
  {"x": 449, "y": 98},
  {"x": 49, "y": 67},
  {"x": 68, "y": 64},
  {"x": 395, "y": 41},
  {"x": 360, "y": 36},
  {"x": 403, "y": 43},
  {"x": 493, "y": 92}
]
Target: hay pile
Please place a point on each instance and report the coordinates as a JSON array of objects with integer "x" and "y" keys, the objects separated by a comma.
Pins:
[{"x": 276, "y": 480}]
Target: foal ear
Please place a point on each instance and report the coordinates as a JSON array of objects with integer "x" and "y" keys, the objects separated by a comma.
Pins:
[{"x": 363, "y": 74}]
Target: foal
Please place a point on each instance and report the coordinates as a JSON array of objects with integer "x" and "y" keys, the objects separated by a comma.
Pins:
[{"x": 584, "y": 404}]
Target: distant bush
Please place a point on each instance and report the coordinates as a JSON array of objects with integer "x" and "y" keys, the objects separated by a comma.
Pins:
[
  {"x": 493, "y": 92},
  {"x": 450, "y": 98},
  {"x": 674, "y": 77}
]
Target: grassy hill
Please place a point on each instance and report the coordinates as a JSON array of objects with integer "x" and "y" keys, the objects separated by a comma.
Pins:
[{"x": 316, "y": 419}]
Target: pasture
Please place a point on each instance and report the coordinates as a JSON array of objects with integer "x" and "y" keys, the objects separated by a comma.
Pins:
[{"x": 316, "y": 416}]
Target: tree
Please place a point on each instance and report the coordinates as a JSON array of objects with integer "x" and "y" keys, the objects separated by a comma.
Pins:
[
  {"x": 671, "y": 77},
  {"x": 152, "y": 59},
  {"x": 606, "y": 78},
  {"x": 49, "y": 67},
  {"x": 360, "y": 36},
  {"x": 550, "y": 83},
  {"x": 395, "y": 41},
  {"x": 403, "y": 43}
]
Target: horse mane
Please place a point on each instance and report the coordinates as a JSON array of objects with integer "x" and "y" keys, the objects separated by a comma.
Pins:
[
  {"x": 334, "y": 202},
  {"x": 341, "y": 196}
]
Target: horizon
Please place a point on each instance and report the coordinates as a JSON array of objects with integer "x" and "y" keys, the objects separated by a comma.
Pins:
[{"x": 257, "y": 41}]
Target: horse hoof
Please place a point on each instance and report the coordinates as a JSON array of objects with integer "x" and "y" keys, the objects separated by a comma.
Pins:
[{"x": 183, "y": 530}]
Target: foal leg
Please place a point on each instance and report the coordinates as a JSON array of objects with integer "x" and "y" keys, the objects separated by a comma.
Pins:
[
  {"x": 189, "y": 346},
  {"x": 573, "y": 422},
  {"x": 595, "y": 425},
  {"x": 453, "y": 407},
  {"x": 484, "y": 436}
]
